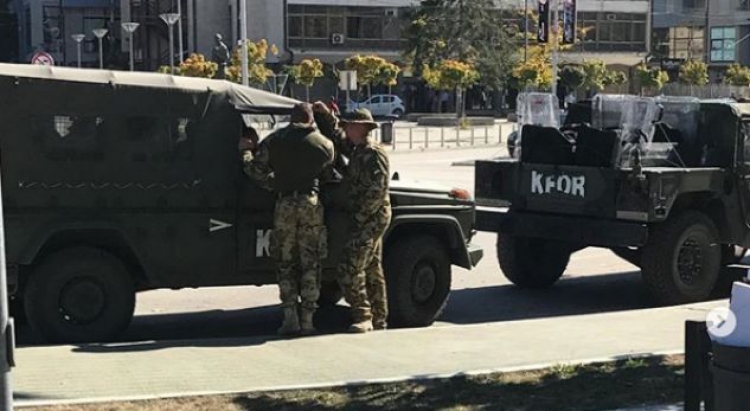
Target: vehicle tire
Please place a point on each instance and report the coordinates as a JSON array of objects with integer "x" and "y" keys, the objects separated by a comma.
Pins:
[
  {"x": 633, "y": 256},
  {"x": 80, "y": 294},
  {"x": 418, "y": 278},
  {"x": 532, "y": 262},
  {"x": 682, "y": 259},
  {"x": 330, "y": 294},
  {"x": 398, "y": 112}
]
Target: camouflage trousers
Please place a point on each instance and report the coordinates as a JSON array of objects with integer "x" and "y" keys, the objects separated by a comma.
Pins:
[
  {"x": 299, "y": 244},
  {"x": 361, "y": 273}
]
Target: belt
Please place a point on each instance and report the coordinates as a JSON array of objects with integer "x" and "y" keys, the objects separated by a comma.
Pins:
[{"x": 298, "y": 193}]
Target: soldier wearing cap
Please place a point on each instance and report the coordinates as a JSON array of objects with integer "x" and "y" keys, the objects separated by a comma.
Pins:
[
  {"x": 367, "y": 179},
  {"x": 290, "y": 162}
]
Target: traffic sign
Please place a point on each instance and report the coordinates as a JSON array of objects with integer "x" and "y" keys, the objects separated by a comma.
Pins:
[
  {"x": 348, "y": 80},
  {"x": 43, "y": 58}
]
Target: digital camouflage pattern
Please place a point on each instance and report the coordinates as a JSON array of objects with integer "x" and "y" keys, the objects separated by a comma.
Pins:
[
  {"x": 361, "y": 270},
  {"x": 290, "y": 162},
  {"x": 299, "y": 244}
]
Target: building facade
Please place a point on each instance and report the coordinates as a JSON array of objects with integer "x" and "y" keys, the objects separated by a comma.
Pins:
[
  {"x": 617, "y": 31},
  {"x": 712, "y": 31}
]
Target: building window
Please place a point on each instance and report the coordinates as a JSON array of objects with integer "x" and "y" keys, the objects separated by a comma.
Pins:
[
  {"x": 723, "y": 40},
  {"x": 683, "y": 43},
  {"x": 363, "y": 27},
  {"x": 611, "y": 31}
]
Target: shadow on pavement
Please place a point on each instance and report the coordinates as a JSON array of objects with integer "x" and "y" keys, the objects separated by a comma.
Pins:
[
  {"x": 158, "y": 331},
  {"x": 570, "y": 296}
]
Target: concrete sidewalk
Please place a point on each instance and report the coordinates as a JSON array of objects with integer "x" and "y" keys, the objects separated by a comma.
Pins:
[{"x": 162, "y": 369}]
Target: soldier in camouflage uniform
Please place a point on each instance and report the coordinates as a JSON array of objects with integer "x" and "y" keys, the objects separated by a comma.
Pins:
[
  {"x": 367, "y": 178},
  {"x": 290, "y": 162}
]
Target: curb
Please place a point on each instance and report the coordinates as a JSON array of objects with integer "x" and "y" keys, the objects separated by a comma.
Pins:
[
  {"x": 676, "y": 407},
  {"x": 332, "y": 384}
]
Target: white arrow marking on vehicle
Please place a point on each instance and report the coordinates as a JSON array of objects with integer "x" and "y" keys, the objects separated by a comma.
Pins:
[{"x": 217, "y": 225}]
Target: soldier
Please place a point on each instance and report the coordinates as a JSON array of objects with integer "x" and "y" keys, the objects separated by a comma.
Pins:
[
  {"x": 367, "y": 179},
  {"x": 289, "y": 162}
]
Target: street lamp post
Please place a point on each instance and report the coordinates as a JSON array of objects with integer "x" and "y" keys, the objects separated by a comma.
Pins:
[
  {"x": 243, "y": 43},
  {"x": 100, "y": 33},
  {"x": 130, "y": 28},
  {"x": 78, "y": 39},
  {"x": 170, "y": 19},
  {"x": 179, "y": 29}
]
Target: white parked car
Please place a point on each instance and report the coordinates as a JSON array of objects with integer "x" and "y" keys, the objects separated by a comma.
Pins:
[{"x": 381, "y": 105}]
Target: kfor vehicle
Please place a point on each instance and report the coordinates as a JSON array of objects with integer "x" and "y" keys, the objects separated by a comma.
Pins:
[
  {"x": 663, "y": 182},
  {"x": 119, "y": 182}
]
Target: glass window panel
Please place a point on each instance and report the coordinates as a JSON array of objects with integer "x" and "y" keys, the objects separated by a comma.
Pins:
[
  {"x": 295, "y": 26},
  {"x": 353, "y": 26},
  {"x": 717, "y": 45},
  {"x": 717, "y": 33},
  {"x": 716, "y": 55},
  {"x": 335, "y": 25},
  {"x": 730, "y": 32},
  {"x": 372, "y": 28},
  {"x": 728, "y": 55},
  {"x": 639, "y": 32},
  {"x": 315, "y": 27}
]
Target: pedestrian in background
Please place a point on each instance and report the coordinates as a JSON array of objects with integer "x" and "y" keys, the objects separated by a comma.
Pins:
[
  {"x": 367, "y": 180},
  {"x": 333, "y": 106},
  {"x": 290, "y": 162}
]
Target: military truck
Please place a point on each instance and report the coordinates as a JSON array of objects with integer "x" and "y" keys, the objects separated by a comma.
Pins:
[
  {"x": 118, "y": 182},
  {"x": 662, "y": 182}
]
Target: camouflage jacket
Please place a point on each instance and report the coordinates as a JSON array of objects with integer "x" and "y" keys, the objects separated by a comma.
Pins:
[{"x": 366, "y": 175}]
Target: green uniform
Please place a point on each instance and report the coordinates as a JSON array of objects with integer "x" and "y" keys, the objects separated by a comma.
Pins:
[
  {"x": 361, "y": 270},
  {"x": 290, "y": 162}
]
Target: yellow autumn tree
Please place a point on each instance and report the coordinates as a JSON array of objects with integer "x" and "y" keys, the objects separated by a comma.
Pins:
[
  {"x": 368, "y": 69},
  {"x": 196, "y": 65},
  {"x": 305, "y": 73},
  {"x": 451, "y": 75},
  {"x": 257, "y": 55},
  {"x": 536, "y": 71}
]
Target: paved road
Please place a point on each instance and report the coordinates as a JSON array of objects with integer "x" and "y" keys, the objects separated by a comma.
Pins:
[{"x": 596, "y": 281}]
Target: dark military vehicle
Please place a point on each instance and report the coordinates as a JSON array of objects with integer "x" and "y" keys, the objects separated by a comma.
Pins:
[
  {"x": 663, "y": 182},
  {"x": 119, "y": 182}
]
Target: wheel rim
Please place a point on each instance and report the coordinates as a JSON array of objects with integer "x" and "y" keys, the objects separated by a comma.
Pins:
[
  {"x": 82, "y": 301},
  {"x": 690, "y": 261},
  {"x": 424, "y": 282}
]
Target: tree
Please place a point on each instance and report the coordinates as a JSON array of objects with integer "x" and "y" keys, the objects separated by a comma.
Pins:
[
  {"x": 388, "y": 75},
  {"x": 596, "y": 75},
  {"x": 536, "y": 71},
  {"x": 368, "y": 69},
  {"x": 694, "y": 73},
  {"x": 451, "y": 75},
  {"x": 305, "y": 73},
  {"x": 471, "y": 31},
  {"x": 650, "y": 78},
  {"x": 572, "y": 76},
  {"x": 737, "y": 75},
  {"x": 616, "y": 78},
  {"x": 257, "y": 54},
  {"x": 196, "y": 65}
]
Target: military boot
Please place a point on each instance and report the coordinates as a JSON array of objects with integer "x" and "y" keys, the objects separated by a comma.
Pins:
[
  {"x": 291, "y": 322},
  {"x": 306, "y": 321},
  {"x": 361, "y": 327}
]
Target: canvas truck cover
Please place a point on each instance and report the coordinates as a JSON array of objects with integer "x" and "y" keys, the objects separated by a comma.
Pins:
[{"x": 244, "y": 99}]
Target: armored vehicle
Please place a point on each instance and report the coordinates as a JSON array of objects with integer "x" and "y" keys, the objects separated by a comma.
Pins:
[
  {"x": 662, "y": 182},
  {"x": 118, "y": 182}
]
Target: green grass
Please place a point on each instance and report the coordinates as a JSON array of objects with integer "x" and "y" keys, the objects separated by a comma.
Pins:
[{"x": 597, "y": 387}]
